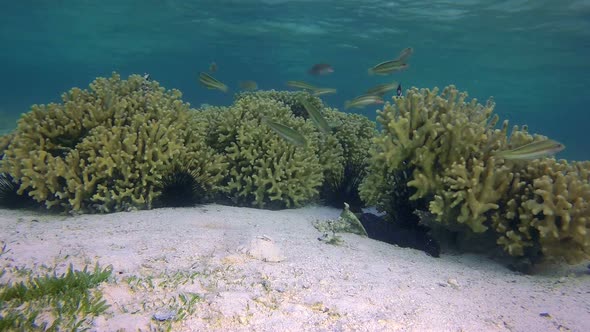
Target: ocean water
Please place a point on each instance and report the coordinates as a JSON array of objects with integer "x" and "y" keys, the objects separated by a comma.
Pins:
[{"x": 531, "y": 56}]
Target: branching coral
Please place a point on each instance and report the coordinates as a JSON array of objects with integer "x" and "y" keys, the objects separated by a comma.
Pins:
[
  {"x": 4, "y": 142},
  {"x": 264, "y": 170},
  {"x": 339, "y": 155},
  {"x": 355, "y": 134},
  {"x": 291, "y": 99},
  {"x": 104, "y": 149},
  {"x": 422, "y": 134},
  {"x": 437, "y": 153},
  {"x": 548, "y": 211}
]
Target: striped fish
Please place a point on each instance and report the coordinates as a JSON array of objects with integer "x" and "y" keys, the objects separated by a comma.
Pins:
[
  {"x": 287, "y": 133},
  {"x": 323, "y": 91},
  {"x": 301, "y": 85},
  {"x": 210, "y": 82},
  {"x": 387, "y": 67},
  {"x": 315, "y": 116},
  {"x": 382, "y": 89},
  {"x": 362, "y": 101},
  {"x": 391, "y": 66},
  {"x": 532, "y": 150}
]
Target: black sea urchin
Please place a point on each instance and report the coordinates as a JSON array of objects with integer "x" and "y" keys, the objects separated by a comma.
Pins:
[
  {"x": 180, "y": 188},
  {"x": 344, "y": 191},
  {"x": 9, "y": 198}
]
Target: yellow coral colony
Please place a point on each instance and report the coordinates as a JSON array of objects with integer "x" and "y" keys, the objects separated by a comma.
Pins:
[
  {"x": 447, "y": 146},
  {"x": 263, "y": 169},
  {"x": 102, "y": 149}
]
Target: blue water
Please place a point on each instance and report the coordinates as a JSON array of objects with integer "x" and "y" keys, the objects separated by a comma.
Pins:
[{"x": 531, "y": 56}]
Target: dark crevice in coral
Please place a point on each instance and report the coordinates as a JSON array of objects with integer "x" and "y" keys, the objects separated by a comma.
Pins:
[
  {"x": 66, "y": 143},
  {"x": 401, "y": 208},
  {"x": 401, "y": 225},
  {"x": 62, "y": 182},
  {"x": 417, "y": 237},
  {"x": 558, "y": 223},
  {"x": 513, "y": 223}
]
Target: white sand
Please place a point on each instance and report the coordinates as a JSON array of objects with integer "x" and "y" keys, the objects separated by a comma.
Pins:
[{"x": 224, "y": 255}]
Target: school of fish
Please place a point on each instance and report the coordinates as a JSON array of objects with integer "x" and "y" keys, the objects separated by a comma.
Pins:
[{"x": 372, "y": 96}]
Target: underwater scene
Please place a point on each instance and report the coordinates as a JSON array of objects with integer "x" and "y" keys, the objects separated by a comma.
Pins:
[{"x": 295, "y": 165}]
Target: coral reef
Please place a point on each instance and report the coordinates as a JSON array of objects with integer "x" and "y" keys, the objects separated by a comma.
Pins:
[
  {"x": 291, "y": 99},
  {"x": 264, "y": 170},
  {"x": 355, "y": 134},
  {"x": 121, "y": 144},
  {"x": 4, "y": 142},
  {"x": 340, "y": 154},
  {"x": 437, "y": 153},
  {"x": 547, "y": 213},
  {"x": 106, "y": 148}
]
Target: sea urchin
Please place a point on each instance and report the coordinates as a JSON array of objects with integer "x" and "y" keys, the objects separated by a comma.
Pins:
[
  {"x": 180, "y": 188},
  {"x": 9, "y": 198}
]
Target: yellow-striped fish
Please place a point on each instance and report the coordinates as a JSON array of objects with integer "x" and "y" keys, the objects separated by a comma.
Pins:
[
  {"x": 362, "y": 101},
  {"x": 382, "y": 89},
  {"x": 323, "y": 91},
  {"x": 315, "y": 116},
  {"x": 301, "y": 85},
  {"x": 287, "y": 133},
  {"x": 532, "y": 150},
  {"x": 391, "y": 66},
  {"x": 387, "y": 67},
  {"x": 211, "y": 83}
]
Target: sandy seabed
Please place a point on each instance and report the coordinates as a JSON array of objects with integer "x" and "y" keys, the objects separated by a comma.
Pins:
[{"x": 259, "y": 270}]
